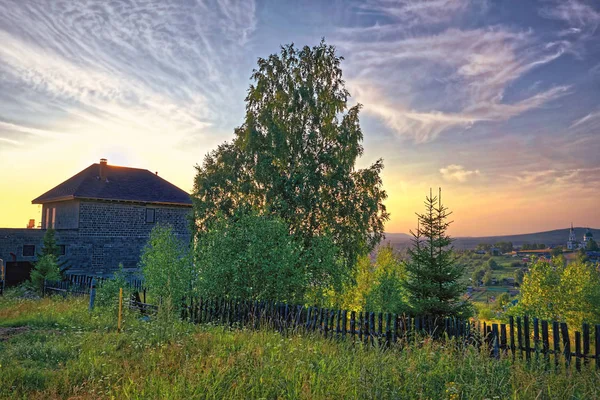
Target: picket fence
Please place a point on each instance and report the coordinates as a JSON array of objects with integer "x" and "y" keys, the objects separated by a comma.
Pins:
[{"x": 523, "y": 337}]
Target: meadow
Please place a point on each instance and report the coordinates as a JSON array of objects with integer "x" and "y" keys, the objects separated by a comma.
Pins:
[{"x": 56, "y": 348}]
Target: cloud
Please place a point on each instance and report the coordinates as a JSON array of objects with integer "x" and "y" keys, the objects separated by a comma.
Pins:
[
  {"x": 582, "y": 22},
  {"x": 575, "y": 177},
  {"x": 417, "y": 12},
  {"x": 424, "y": 126},
  {"x": 457, "y": 173},
  {"x": 580, "y": 16},
  {"x": 466, "y": 74},
  {"x": 144, "y": 70},
  {"x": 586, "y": 119}
]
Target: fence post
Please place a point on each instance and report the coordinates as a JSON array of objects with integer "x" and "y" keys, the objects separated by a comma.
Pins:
[
  {"x": 556, "y": 340},
  {"x": 511, "y": 323},
  {"x": 92, "y": 294},
  {"x": 597, "y": 340},
  {"x": 578, "y": 351},
  {"x": 2, "y": 276},
  {"x": 545, "y": 341},
  {"x": 586, "y": 344},
  {"x": 566, "y": 343},
  {"x": 120, "y": 309},
  {"x": 527, "y": 338},
  {"x": 496, "y": 347}
]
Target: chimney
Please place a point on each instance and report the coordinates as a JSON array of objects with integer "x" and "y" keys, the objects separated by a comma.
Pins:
[{"x": 103, "y": 169}]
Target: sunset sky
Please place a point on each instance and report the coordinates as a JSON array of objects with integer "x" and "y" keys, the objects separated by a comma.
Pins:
[{"x": 497, "y": 102}]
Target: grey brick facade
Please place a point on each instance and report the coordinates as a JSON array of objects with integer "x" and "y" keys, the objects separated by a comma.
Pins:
[
  {"x": 102, "y": 222},
  {"x": 107, "y": 234}
]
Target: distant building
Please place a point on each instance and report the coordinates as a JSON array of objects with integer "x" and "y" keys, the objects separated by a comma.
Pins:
[
  {"x": 573, "y": 244},
  {"x": 102, "y": 217},
  {"x": 588, "y": 237}
]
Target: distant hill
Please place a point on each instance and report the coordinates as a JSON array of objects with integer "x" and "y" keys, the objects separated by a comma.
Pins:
[{"x": 549, "y": 238}]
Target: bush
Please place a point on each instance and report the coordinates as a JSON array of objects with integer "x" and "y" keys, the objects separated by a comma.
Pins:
[
  {"x": 492, "y": 264},
  {"x": 108, "y": 294},
  {"x": 253, "y": 257},
  {"x": 167, "y": 268}
]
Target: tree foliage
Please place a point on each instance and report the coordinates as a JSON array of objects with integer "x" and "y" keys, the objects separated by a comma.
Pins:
[
  {"x": 255, "y": 257},
  {"x": 50, "y": 247},
  {"x": 294, "y": 158},
  {"x": 378, "y": 284},
  {"x": 591, "y": 245},
  {"x": 432, "y": 271},
  {"x": 561, "y": 292},
  {"x": 167, "y": 268}
]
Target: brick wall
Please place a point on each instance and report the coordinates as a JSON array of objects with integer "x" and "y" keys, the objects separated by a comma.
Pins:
[{"x": 108, "y": 233}]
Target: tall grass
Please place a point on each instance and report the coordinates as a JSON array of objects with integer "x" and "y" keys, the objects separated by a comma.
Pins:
[{"x": 65, "y": 351}]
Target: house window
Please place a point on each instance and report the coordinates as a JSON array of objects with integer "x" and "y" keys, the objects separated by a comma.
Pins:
[
  {"x": 28, "y": 250},
  {"x": 47, "y": 217},
  {"x": 150, "y": 215},
  {"x": 62, "y": 249},
  {"x": 53, "y": 217}
]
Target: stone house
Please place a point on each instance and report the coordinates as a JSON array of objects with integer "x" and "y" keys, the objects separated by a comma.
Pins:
[{"x": 102, "y": 217}]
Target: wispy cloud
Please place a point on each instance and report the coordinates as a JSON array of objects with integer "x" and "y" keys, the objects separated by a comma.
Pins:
[
  {"x": 149, "y": 67},
  {"x": 586, "y": 119},
  {"x": 470, "y": 69},
  {"x": 584, "y": 177},
  {"x": 417, "y": 12},
  {"x": 458, "y": 173}
]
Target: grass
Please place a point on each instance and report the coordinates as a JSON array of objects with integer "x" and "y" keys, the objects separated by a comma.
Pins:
[{"x": 55, "y": 348}]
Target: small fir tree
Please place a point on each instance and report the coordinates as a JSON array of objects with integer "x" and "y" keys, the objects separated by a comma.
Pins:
[
  {"x": 46, "y": 269},
  {"x": 432, "y": 271},
  {"x": 50, "y": 248}
]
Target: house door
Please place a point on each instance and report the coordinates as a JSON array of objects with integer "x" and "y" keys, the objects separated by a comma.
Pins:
[{"x": 17, "y": 272}]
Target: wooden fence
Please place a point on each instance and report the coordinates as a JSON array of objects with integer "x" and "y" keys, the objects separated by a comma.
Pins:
[
  {"x": 521, "y": 338},
  {"x": 80, "y": 285}
]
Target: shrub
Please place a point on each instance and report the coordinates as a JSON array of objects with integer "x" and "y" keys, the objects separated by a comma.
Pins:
[
  {"x": 253, "y": 257},
  {"x": 108, "y": 294},
  {"x": 167, "y": 268}
]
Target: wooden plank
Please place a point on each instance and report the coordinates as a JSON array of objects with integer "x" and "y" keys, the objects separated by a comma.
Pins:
[
  {"x": 372, "y": 331},
  {"x": 388, "y": 330},
  {"x": 545, "y": 341},
  {"x": 344, "y": 323},
  {"x": 361, "y": 326},
  {"x": 496, "y": 339},
  {"x": 353, "y": 325},
  {"x": 536, "y": 337},
  {"x": 556, "y": 340},
  {"x": 331, "y": 323},
  {"x": 564, "y": 330},
  {"x": 511, "y": 322},
  {"x": 503, "y": 341},
  {"x": 527, "y": 338},
  {"x": 586, "y": 344},
  {"x": 597, "y": 346},
  {"x": 379, "y": 328},
  {"x": 578, "y": 350},
  {"x": 519, "y": 337}
]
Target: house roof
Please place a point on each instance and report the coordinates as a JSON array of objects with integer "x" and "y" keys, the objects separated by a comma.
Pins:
[{"x": 121, "y": 184}]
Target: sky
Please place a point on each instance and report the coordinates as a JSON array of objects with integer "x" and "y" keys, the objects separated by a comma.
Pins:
[{"x": 496, "y": 102}]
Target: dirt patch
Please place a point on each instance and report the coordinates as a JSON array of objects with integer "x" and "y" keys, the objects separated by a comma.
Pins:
[{"x": 6, "y": 333}]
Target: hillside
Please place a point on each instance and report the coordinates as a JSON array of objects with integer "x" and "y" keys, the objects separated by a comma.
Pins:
[{"x": 550, "y": 238}]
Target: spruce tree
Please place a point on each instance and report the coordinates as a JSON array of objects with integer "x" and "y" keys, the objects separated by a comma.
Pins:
[{"x": 432, "y": 270}]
